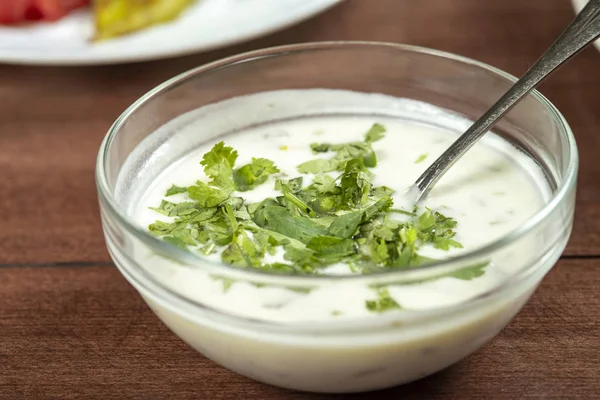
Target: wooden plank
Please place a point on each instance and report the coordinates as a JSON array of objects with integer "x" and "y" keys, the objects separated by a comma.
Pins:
[
  {"x": 83, "y": 332},
  {"x": 53, "y": 119}
]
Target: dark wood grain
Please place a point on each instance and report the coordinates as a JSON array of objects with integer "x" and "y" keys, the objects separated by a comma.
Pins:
[
  {"x": 83, "y": 332},
  {"x": 71, "y": 327}
]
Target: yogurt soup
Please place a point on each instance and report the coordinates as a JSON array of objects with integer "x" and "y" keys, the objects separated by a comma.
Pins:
[{"x": 257, "y": 215}]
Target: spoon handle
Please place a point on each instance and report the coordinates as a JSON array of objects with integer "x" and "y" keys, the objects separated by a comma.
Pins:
[{"x": 584, "y": 29}]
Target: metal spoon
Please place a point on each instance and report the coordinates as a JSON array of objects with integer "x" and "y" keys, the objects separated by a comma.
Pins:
[{"x": 583, "y": 30}]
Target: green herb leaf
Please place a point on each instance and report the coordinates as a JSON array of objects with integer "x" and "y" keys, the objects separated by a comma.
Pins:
[
  {"x": 384, "y": 302},
  {"x": 160, "y": 228},
  {"x": 470, "y": 272},
  {"x": 437, "y": 229},
  {"x": 241, "y": 252},
  {"x": 421, "y": 158},
  {"x": 227, "y": 282},
  {"x": 174, "y": 189},
  {"x": 381, "y": 191},
  {"x": 208, "y": 196},
  {"x": 293, "y": 184},
  {"x": 279, "y": 219},
  {"x": 331, "y": 248},
  {"x": 332, "y": 220},
  {"x": 375, "y": 133},
  {"x": 301, "y": 205},
  {"x": 175, "y": 209},
  {"x": 320, "y": 147},
  {"x": 361, "y": 151},
  {"x": 302, "y": 259},
  {"x": 355, "y": 184},
  {"x": 318, "y": 166},
  {"x": 176, "y": 242},
  {"x": 251, "y": 175},
  {"x": 346, "y": 225},
  {"x": 218, "y": 163},
  {"x": 323, "y": 184}
]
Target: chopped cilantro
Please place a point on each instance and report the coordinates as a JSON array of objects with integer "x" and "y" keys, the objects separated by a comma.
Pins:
[
  {"x": 280, "y": 220},
  {"x": 175, "y": 209},
  {"x": 470, "y": 272},
  {"x": 344, "y": 152},
  {"x": 421, "y": 158},
  {"x": 174, "y": 189},
  {"x": 227, "y": 282},
  {"x": 340, "y": 217},
  {"x": 331, "y": 247},
  {"x": 375, "y": 133},
  {"x": 355, "y": 184},
  {"x": 161, "y": 228},
  {"x": 208, "y": 196},
  {"x": 176, "y": 241},
  {"x": 381, "y": 191},
  {"x": 218, "y": 165},
  {"x": 251, "y": 175},
  {"x": 318, "y": 166},
  {"x": 384, "y": 302},
  {"x": 303, "y": 207}
]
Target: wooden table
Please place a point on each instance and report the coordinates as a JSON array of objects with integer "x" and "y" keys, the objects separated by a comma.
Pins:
[{"x": 70, "y": 325}]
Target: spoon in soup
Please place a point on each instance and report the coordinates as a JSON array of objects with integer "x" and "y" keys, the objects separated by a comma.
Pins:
[{"x": 583, "y": 30}]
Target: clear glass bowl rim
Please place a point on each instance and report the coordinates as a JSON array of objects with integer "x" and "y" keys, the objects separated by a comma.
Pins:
[{"x": 441, "y": 267}]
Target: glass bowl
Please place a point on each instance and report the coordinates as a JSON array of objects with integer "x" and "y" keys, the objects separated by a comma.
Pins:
[{"x": 329, "y": 354}]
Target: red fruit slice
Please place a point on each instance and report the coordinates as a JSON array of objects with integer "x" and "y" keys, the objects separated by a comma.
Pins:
[
  {"x": 51, "y": 10},
  {"x": 13, "y": 11}
]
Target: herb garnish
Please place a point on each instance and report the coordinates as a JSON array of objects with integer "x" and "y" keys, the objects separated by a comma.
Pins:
[
  {"x": 421, "y": 158},
  {"x": 340, "y": 217},
  {"x": 383, "y": 303}
]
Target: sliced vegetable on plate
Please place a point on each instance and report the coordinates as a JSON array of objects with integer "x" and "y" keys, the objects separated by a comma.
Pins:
[
  {"x": 111, "y": 18},
  {"x": 17, "y": 11},
  {"x": 119, "y": 17}
]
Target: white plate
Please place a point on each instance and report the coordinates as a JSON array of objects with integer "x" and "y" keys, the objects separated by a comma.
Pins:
[
  {"x": 578, "y": 5},
  {"x": 209, "y": 24}
]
